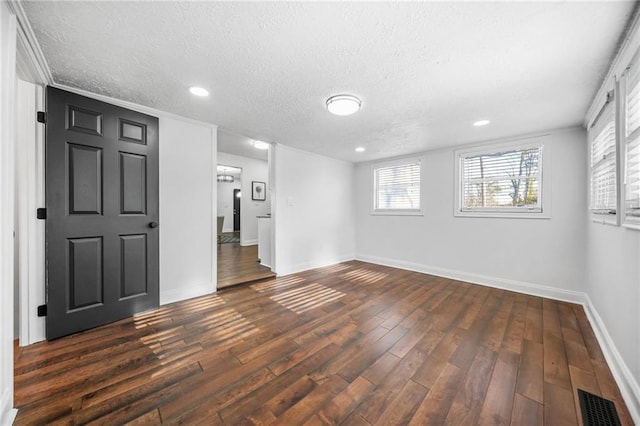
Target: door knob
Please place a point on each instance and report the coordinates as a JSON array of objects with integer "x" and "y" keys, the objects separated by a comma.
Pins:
[{"x": 153, "y": 224}]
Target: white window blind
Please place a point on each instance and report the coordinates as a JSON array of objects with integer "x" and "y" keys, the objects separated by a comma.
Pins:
[
  {"x": 602, "y": 137},
  {"x": 507, "y": 180},
  {"x": 397, "y": 187},
  {"x": 632, "y": 143}
]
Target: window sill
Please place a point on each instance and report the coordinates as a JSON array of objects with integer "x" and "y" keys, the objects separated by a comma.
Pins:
[
  {"x": 396, "y": 213},
  {"x": 602, "y": 221},
  {"x": 632, "y": 225},
  {"x": 503, "y": 215}
]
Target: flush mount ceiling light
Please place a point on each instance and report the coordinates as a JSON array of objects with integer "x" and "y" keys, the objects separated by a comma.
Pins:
[
  {"x": 481, "y": 123},
  {"x": 199, "y": 91},
  {"x": 360, "y": 149},
  {"x": 343, "y": 104},
  {"x": 260, "y": 145}
]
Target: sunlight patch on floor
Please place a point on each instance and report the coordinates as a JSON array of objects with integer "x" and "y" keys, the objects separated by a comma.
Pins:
[
  {"x": 364, "y": 276},
  {"x": 306, "y": 298},
  {"x": 277, "y": 283}
]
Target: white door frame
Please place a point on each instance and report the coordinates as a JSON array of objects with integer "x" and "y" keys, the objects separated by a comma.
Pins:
[
  {"x": 30, "y": 230},
  {"x": 33, "y": 70}
]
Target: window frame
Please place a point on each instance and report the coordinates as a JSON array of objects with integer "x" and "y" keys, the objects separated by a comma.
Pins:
[
  {"x": 544, "y": 194},
  {"x": 597, "y": 216},
  {"x": 627, "y": 221},
  {"x": 374, "y": 193}
]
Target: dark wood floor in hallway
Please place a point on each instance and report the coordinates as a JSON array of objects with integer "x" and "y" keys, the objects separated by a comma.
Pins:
[
  {"x": 352, "y": 344},
  {"x": 239, "y": 264}
]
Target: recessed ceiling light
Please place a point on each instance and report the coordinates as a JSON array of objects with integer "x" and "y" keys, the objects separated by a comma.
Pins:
[
  {"x": 260, "y": 145},
  {"x": 360, "y": 149},
  {"x": 480, "y": 123},
  {"x": 199, "y": 91},
  {"x": 343, "y": 104}
]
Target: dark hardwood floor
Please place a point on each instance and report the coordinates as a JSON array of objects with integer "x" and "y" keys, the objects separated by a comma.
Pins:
[
  {"x": 353, "y": 344},
  {"x": 238, "y": 264}
]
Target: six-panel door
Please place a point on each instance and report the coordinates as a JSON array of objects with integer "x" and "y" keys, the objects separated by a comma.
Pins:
[{"x": 102, "y": 212}]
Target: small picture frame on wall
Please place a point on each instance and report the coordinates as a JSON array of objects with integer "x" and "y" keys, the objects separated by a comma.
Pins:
[{"x": 258, "y": 191}]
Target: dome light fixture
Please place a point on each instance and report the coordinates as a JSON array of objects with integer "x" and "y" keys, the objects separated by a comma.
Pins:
[
  {"x": 481, "y": 123},
  {"x": 360, "y": 149},
  {"x": 343, "y": 104},
  {"x": 260, "y": 145},
  {"x": 199, "y": 91}
]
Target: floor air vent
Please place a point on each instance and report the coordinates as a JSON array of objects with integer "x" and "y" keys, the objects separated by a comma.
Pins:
[{"x": 597, "y": 411}]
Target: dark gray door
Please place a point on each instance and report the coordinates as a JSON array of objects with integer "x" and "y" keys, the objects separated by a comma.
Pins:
[
  {"x": 102, "y": 212},
  {"x": 236, "y": 209}
]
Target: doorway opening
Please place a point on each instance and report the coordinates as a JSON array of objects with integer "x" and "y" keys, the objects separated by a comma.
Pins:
[
  {"x": 243, "y": 207},
  {"x": 229, "y": 204}
]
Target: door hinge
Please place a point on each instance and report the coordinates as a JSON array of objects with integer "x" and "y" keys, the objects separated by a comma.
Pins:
[
  {"x": 42, "y": 117},
  {"x": 41, "y": 213},
  {"x": 42, "y": 310}
]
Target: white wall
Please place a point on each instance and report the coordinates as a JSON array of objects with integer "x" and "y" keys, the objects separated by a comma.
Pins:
[
  {"x": 313, "y": 210},
  {"x": 252, "y": 170},
  {"x": 7, "y": 85},
  {"x": 530, "y": 255},
  {"x": 225, "y": 203},
  {"x": 612, "y": 279},
  {"x": 613, "y": 285},
  {"x": 187, "y": 210}
]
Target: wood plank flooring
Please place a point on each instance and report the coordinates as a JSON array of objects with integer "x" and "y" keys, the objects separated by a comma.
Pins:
[
  {"x": 238, "y": 264},
  {"x": 352, "y": 344}
]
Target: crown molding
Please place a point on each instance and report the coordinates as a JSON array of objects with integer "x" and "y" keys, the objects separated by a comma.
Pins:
[{"x": 30, "y": 57}]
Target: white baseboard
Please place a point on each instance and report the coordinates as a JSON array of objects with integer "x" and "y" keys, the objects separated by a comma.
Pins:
[
  {"x": 7, "y": 412},
  {"x": 176, "y": 295},
  {"x": 305, "y": 266},
  {"x": 629, "y": 387},
  {"x": 248, "y": 243},
  {"x": 505, "y": 284}
]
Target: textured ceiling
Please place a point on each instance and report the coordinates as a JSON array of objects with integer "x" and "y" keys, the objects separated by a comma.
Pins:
[
  {"x": 237, "y": 144},
  {"x": 424, "y": 71}
]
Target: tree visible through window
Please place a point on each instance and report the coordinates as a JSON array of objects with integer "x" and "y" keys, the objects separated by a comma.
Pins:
[{"x": 504, "y": 180}]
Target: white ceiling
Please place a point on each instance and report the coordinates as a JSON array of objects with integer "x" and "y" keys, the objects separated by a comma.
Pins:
[
  {"x": 424, "y": 71},
  {"x": 233, "y": 143},
  {"x": 236, "y": 172}
]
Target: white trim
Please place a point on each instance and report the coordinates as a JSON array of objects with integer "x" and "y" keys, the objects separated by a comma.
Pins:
[
  {"x": 470, "y": 277},
  {"x": 214, "y": 208},
  {"x": 626, "y": 382},
  {"x": 400, "y": 161},
  {"x": 7, "y": 412},
  {"x": 249, "y": 242},
  {"x": 541, "y": 212},
  {"x": 305, "y": 266},
  {"x": 30, "y": 232},
  {"x": 133, "y": 106},
  {"x": 599, "y": 221},
  {"x": 631, "y": 225},
  {"x": 8, "y": 25},
  {"x": 30, "y": 56},
  {"x": 178, "y": 294},
  {"x": 623, "y": 57}
]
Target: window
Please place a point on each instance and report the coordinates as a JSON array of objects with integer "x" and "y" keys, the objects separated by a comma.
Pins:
[
  {"x": 631, "y": 82},
  {"x": 500, "y": 180},
  {"x": 396, "y": 187},
  {"x": 602, "y": 141}
]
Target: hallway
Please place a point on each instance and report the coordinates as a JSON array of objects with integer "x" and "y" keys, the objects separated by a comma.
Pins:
[{"x": 238, "y": 264}]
